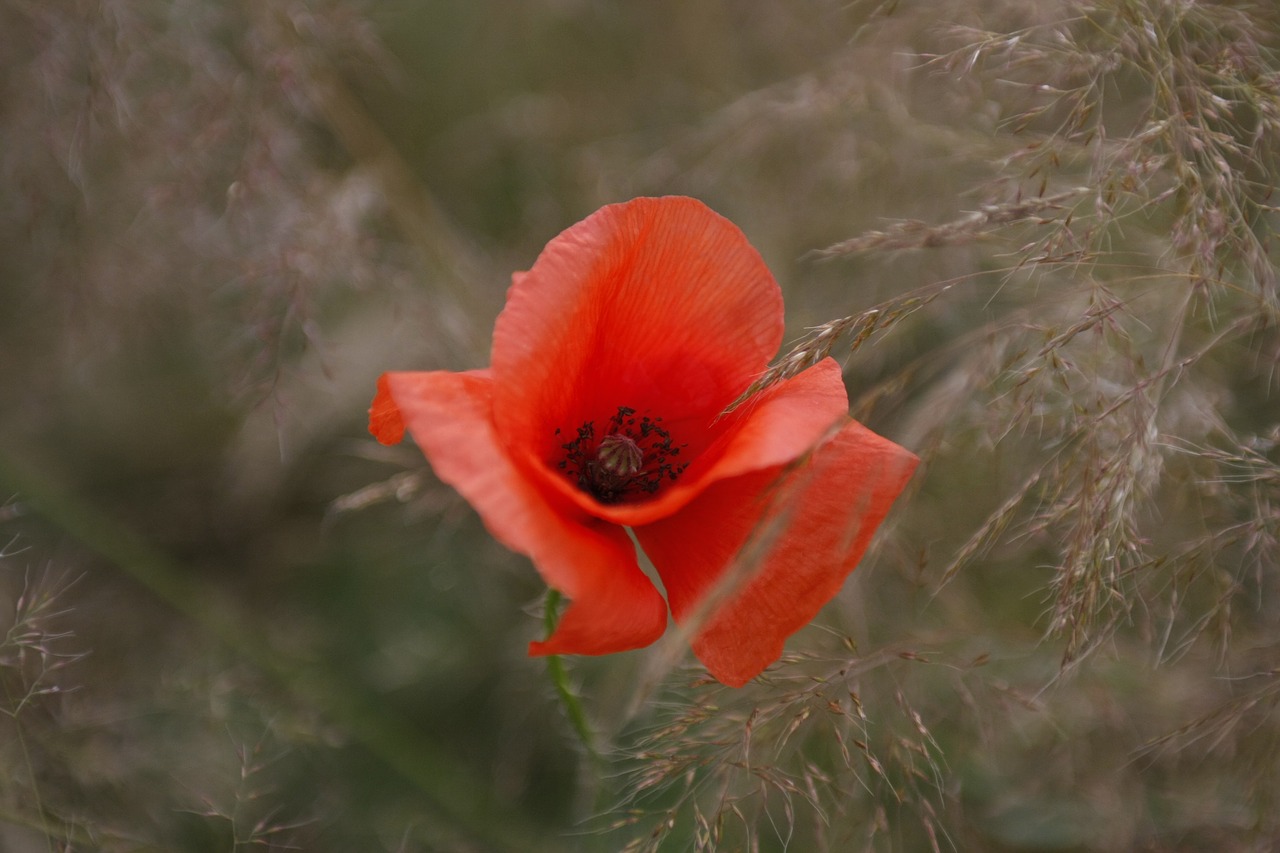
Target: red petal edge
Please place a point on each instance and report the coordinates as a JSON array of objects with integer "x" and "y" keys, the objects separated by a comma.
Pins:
[
  {"x": 813, "y": 524},
  {"x": 614, "y": 607},
  {"x": 385, "y": 421}
]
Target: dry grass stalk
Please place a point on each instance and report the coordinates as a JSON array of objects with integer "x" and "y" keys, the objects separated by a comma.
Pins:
[{"x": 984, "y": 223}]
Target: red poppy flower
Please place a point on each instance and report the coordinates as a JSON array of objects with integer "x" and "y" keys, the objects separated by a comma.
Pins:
[{"x": 612, "y": 364}]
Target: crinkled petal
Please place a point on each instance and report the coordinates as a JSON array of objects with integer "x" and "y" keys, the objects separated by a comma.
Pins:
[
  {"x": 782, "y": 541},
  {"x": 613, "y": 607},
  {"x": 775, "y": 427},
  {"x": 658, "y": 304}
]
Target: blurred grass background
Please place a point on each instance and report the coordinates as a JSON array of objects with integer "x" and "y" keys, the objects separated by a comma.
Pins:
[{"x": 235, "y": 622}]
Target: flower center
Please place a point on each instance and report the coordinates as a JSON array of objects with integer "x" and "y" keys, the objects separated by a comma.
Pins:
[{"x": 632, "y": 459}]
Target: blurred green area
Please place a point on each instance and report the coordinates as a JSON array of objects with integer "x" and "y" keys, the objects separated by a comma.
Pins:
[{"x": 235, "y": 622}]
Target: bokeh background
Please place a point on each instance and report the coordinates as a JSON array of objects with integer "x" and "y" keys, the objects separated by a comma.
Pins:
[{"x": 1038, "y": 235}]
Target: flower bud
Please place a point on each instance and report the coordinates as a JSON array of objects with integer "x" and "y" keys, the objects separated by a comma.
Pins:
[{"x": 618, "y": 456}]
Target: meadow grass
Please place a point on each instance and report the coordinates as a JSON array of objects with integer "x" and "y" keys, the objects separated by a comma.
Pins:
[{"x": 1038, "y": 236}]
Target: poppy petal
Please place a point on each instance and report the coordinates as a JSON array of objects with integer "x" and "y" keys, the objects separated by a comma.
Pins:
[
  {"x": 658, "y": 304},
  {"x": 385, "y": 421},
  {"x": 614, "y": 606},
  {"x": 814, "y": 523},
  {"x": 776, "y": 426}
]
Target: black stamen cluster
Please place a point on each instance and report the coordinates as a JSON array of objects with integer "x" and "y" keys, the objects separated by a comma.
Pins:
[{"x": 582, "y": 458}]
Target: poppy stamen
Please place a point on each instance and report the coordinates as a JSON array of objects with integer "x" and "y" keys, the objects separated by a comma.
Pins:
[{"x": 633, "y": 458}]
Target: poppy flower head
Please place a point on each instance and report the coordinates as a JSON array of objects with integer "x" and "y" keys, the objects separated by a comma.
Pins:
[{"x": 612, "y": 363}]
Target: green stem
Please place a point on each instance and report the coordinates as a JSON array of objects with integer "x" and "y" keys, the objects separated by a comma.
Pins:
[{"x": 560, "y": 678}]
